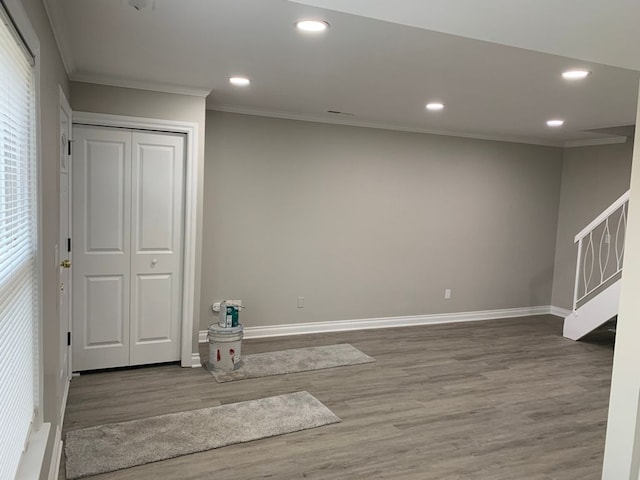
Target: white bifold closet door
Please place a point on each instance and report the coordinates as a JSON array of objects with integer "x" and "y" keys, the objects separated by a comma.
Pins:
[{"x": 127, "y": 247}]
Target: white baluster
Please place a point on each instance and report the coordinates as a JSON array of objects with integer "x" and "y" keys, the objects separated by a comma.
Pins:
[
  {"x": 622, "y": 221},
  {"x": 589, "y": 249},
  {"x": 577, "y": 281},
  {"x": 607, "y": 240}
]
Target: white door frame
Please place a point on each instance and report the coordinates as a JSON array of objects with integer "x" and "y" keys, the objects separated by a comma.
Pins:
[
  {"x": 190, "y": 129},
  {"x": 64, "y": 106}
]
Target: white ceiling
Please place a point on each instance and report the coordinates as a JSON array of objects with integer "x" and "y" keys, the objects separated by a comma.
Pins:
[
  {"x": 381, "y": 72},
  {"x": 597, "y": 31}
]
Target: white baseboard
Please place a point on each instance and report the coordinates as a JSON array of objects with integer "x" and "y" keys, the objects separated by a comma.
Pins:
[
  {"x": 386, "y": 322},
  {"x": 65, "y": 396},
  {"x": 56, "y": 455},
  {"x": 560, "y": 312},
  {"x": 195, "y": 359}
]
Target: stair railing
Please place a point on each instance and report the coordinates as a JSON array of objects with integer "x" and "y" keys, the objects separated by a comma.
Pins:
[{"x": 615, "y": 216}]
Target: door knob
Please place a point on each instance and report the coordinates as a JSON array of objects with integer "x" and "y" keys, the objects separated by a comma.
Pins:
[
  {"x": 65, "y": 263},
  {"x": 153, "y": 262}
]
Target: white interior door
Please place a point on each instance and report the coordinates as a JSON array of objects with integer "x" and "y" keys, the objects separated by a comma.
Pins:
[
  {"x": 101, "y": 244},
  {"x": 156, "y": 247},
  {"x": 127, "y": 233},
  {"x": 64, "y": 243}
]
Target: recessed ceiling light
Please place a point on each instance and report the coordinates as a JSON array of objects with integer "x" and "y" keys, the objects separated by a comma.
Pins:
[
  {"x": 239, "y": 81},
  {"x": 575, "y": 74},
  {"x": 555, "y": 123},
  {"x": 435, "y": 106},
  {"x": 312, "y": 25}
]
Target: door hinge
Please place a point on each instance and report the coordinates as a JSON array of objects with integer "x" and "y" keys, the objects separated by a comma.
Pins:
[
  {"x": 68, "y": 339},
  {"x": 68, "y": 244},
  {"x": 69, "y": 147}
]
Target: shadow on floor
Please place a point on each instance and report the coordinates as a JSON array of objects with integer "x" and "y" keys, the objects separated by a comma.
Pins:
[{"x": 603, "y": 336}]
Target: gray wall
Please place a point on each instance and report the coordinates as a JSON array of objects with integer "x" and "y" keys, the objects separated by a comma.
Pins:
[
  {"x": 88, "y": 97},
  {"x": 592, "y": 178},
  {"x": 370, "y": 223}
]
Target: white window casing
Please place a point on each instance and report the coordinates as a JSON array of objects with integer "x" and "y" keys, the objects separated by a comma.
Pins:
[{"x": 19, "y": 267}]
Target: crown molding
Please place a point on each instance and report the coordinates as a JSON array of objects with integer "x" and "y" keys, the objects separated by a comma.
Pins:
[
  {"x": 380, "y": 125},
  {"x": 595, "y": 141},
  {"x": 140, "y": 85},
  {"x": 60, "y": 33}
]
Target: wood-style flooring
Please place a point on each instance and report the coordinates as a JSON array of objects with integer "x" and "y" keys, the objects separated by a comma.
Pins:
[{"x": 500, "y": 400}]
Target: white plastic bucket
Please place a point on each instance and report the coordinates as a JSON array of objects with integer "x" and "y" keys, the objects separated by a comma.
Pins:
[{"x": 225, "y": 346}]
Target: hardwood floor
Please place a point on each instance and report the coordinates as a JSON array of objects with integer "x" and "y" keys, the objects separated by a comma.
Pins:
[{"x": 500, "y": 400}]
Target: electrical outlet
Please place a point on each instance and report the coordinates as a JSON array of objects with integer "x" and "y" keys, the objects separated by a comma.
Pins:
[
  {"x": 300, "y": 302},
  {"x": 447, "y": 294},
  {"x": 216, "y": 306}
]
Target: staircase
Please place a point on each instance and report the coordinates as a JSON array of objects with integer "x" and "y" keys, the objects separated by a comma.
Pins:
[{"x": 598, "y": 274}]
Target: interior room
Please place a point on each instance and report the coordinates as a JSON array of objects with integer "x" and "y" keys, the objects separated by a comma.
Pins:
[{"x": 424, "y": 206}]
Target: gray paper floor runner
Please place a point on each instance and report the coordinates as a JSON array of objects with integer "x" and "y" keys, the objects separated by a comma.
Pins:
[
  {"x": 115, "y": 446},
  {"x": 292, "y": 361}
]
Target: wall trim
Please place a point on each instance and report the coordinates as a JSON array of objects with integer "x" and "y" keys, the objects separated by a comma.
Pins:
[
  {"x": 140, "y": 85},
  {"x": 56, "y": 455},
  {"x": 32, "y": 462},
  {"x": 190, "y": 129},
  {"x": 65, "y": 107},
  {"x": 386, "y": 322},
  {"x": 595, "y": 141},
  {"x": 195, "y": 360},
  {"x": 65, "y": 396},
  {"x": 560, "y": 312},
  {"x": 324, "y": 118}
]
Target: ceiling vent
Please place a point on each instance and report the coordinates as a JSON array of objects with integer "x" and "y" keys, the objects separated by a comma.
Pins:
[
  {"x": 343, "y": 114},
  {"x": 142, "y": 4}
]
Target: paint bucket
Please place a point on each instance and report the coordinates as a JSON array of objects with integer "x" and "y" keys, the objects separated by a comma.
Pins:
[{"x": 224, "y": 347}]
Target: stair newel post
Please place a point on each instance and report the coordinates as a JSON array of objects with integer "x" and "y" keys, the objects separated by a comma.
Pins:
[{"x": 577, "y": 282}]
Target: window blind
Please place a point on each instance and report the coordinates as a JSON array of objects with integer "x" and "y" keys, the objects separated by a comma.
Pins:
[{"x": 18, "y": 248}]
